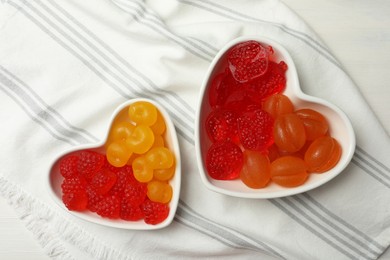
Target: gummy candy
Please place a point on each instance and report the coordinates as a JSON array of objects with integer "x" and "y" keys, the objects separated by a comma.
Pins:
[
  {"x": 255, "y": 172},
  {"x": 159, "y": 191},
  {"x": 143, "y": 113},
  {"x": 222, "y": 125},
  {"x": 255, "y": 129},
  {"x": 224, "y": 161},
  {"x": 247, "y": 61},
  {"x": 289, "y": 133},
  {"x": 288, "y": 171},
  {"x": 256, "y": 133},
  {"x": 314, "y": 122},
  {"x": 323, "y": 154},
  {"x": 131, "y": 180}
]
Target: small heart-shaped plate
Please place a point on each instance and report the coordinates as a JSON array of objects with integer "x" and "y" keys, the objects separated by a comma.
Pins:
[
  {"x": 340, "y": 128},
  {"x": 55, "y": 179}
]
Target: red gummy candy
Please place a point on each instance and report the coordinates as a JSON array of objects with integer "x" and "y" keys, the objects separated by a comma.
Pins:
[
  {"x": 220, "y": 88},
  {"x": 75, "y": 201},
  {"x": 109, "y": 207},
  {"x": 90, "y": 163},
  {"x": 73, "y": 185},
  {"x": 73, "y": 193},
  {"x": 224, "y": 161},
  {"x": 274, "y": 81},
  {"x": 247, "y": 61},
  {"x": 124, "y": 176},
  {"x": 68, "y": 166},
  {"x": 93, "y": 198},
  {"x": 221, "y": 125},
  {"x": 103, "y": 181},
  {"x": 129, "y": 211},
  {"x": 154, "y": 212},
  {"x": 135, "y": 192},
  {"x": 255, "y": 129}
]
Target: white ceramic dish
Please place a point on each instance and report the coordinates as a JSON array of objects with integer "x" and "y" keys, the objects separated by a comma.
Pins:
[
  {"x": 55, "y": 179},
  {"x": 340, "y": 128}
]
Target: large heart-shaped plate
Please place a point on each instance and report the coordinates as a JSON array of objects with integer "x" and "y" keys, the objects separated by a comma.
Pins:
[{"x": 340, "y": 128}]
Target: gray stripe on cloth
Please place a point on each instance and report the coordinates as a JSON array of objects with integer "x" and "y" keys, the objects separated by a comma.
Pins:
[
  {"x": 146, "y": 15},
  {"x": 373, "y": 164},
  {"x": 326, "y": 212},
  {"x": 161, "y": 96},
  {"x": 316, "y": 223},
  {"x": 157, "y": 28},
  {"x": 239, "y": 239},
  {"x": 186, "y": 134},
  {"x": 378, "y": 163},
  {"x": 283, "y": 206},
  {"x": 79, "y": 134},
  {"x": 41, "y": 112},
  {"x": 369, "y": 171},
  {"x": 348, "y": 238},
  {"x": 120, "y": 59},
  {"x": 231, "y": 14}
]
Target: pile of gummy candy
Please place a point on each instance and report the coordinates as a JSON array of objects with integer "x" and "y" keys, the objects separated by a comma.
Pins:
[
  {"x": 257, "y": 134},
  {"x": 130, "y": 181}
]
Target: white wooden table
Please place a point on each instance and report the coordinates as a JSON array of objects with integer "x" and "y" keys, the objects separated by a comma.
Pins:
[{"x": 357, "y": 32}]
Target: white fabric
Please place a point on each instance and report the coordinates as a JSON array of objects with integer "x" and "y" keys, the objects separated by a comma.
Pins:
[{"x": 66, "y": 65}]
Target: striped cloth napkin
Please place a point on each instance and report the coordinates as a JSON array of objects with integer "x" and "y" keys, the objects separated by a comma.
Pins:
[{"x": 66, "y": 65}]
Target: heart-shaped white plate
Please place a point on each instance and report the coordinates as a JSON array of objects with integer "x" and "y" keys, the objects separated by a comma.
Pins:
[
  {"x": 55, "y": 179},
  {"x": 340, "y": 128}
]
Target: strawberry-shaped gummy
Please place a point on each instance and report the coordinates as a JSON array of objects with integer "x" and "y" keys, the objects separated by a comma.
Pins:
[
  {"x": 103, "y": 181},
  {"x": 247, "y": 61},
  {"x": 68, "y": 166},
  {"x": 255, "y": 129},
  {"x": 224, "y": 161},
  {"x": 221, "y": 125},
  {"x": 272, "y": 82},
  {"x": 109, "y": 207},
  {"x": 154, "y": 212},
  {"x": 90, "y": 163}
]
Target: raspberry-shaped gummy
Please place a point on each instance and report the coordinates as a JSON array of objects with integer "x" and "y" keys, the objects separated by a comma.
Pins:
[
  {"x": 90, "y": 163},
  {"x": 68, "y": 166},
  {"x": 135, "y": 193},
  {"x": 124, "y": 177},
  {"x": 73, "y": 185},
  {"x": 73, "y": 193},
  {"x": 224, "y": 161},
  {"x": 109, "y": 207},
  {"x": 129, "y": 211},
  {"x": 103, "y": 181},
  {"x": 154, "y": 212},
  {"x": 93, "y": 198}
]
